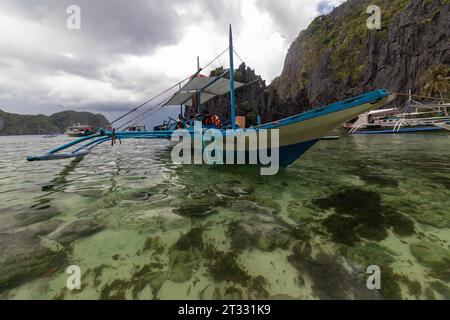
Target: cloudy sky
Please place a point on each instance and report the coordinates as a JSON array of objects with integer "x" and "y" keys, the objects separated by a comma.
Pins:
[{"x": 128, "y": 51}]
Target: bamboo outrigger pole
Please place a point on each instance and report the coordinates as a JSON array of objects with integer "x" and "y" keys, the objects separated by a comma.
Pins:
[{"x": 233, "y": 102}]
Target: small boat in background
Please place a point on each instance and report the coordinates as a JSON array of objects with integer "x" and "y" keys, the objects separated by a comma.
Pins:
[
  {"x": 51, "y": 135},
  {"x": 413, "y": 117},
  {"x": 80, "y": 131},
  {"x": 136, "y": 128}
]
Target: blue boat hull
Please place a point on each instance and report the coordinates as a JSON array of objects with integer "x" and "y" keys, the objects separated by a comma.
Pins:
[{"x": 287, "y": 154}]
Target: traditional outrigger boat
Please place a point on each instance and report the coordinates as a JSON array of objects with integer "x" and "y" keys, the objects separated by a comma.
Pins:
[
  {"x": 80, "y": 131},
  {"x": 413, "y": 117},
  {"x": 297, "y": 134}
]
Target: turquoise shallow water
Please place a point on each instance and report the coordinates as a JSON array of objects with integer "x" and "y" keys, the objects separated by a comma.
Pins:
[{"x": 141, "y": 228}]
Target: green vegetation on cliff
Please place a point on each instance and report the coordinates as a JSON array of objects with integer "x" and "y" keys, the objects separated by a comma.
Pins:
[
  {"x": 337, "y": 56},
  {"x": 343, "y": 39}
]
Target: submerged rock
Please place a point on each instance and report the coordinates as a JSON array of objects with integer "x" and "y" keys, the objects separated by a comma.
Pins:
[
  {"x": 330, "y": 279},
  {"x": 25, "y": 217},
  {"x": 198, "y": 205},
  {"x": 233, "y": 189},
  {"x": 23, "y": 258},
  {"x": 42, "y": 228},
  {"x": 75, "y": 230},
  {"x": 258, "y": 233}
]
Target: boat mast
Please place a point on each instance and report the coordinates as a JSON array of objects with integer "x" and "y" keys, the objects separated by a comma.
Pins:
[
  {"x": 233, "y": 102},
  {"x": 199, "y": 92},
  {"x": 409, "y": 109},
  {"x": 181, "y": 105}
]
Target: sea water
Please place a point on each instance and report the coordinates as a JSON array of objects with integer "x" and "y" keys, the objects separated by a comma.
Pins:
[{"x": 139, "y": 227}]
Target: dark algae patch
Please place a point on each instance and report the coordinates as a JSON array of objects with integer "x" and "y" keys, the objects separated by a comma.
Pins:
[
  {"x": 372, "y": 253},
  {"x": 191, "y": 240},
  {"x": 23, "y": 258},
  {"x": 116, "y": 290},
  {"x": 257, "y": 289},
  {"x": 369, "y": 254},
  {"x": 360, "y": 214},
  {"x": 153, "y": 243},
  {"x": 434, "y": 257},
  {"x": 225, "y": 268},
  {"x": 330, "y": 280}
]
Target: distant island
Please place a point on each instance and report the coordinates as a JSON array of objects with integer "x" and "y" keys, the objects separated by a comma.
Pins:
[{"x": 17, "y": 124}]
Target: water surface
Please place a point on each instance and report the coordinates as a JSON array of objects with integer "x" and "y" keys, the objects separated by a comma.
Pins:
[{"x": 142, "y": 228}]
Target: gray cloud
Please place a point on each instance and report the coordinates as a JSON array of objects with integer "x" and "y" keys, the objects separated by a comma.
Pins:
[
  {"x": 287, "y": 19},
  {"x": 39, "y": 55},
  {"x": 294, "y": 16},
  {"x": 113, "y": 26}
]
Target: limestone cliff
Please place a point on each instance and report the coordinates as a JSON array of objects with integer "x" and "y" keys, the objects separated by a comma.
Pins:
[{"x": 337, "y": 56}]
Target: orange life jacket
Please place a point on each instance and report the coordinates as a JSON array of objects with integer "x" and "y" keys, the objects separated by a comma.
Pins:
[
  {"x": 213, "y": 120},
  {"x": 216, "y": 121}
]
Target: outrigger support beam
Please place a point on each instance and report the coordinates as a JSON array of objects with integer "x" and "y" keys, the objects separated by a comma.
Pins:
[{"x": 94, "y": 141}]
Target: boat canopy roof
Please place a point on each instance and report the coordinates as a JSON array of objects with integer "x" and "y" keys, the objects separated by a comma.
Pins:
[
  {"x": 210, "y": 87},
  {"x": 381, "y": 111}
]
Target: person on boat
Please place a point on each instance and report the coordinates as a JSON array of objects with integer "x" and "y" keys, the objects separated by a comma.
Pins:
[
  {"x": 181, "y": 122},
  {"x": 210, "y": 119},
  {"x": 201, "y": 116},
  {"x": 215, "y": 120}
]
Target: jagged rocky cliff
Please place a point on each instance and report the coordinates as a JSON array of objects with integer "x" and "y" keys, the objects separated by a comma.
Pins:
[
  {"x": 16, "y": 124},
  {"x": 337, "y": 57},
  {"x": 251, "y": 100}
]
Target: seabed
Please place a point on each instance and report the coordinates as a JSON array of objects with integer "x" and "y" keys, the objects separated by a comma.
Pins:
[{"x": 140, "y": 227}]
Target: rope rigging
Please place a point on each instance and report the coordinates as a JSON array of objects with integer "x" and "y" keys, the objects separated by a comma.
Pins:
[
  {"x": 136, "y": 119},
  {"x": 419, "y": 96},
  {"x": 164, "y": 92},
  {"x": 237, "y": 55}
]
